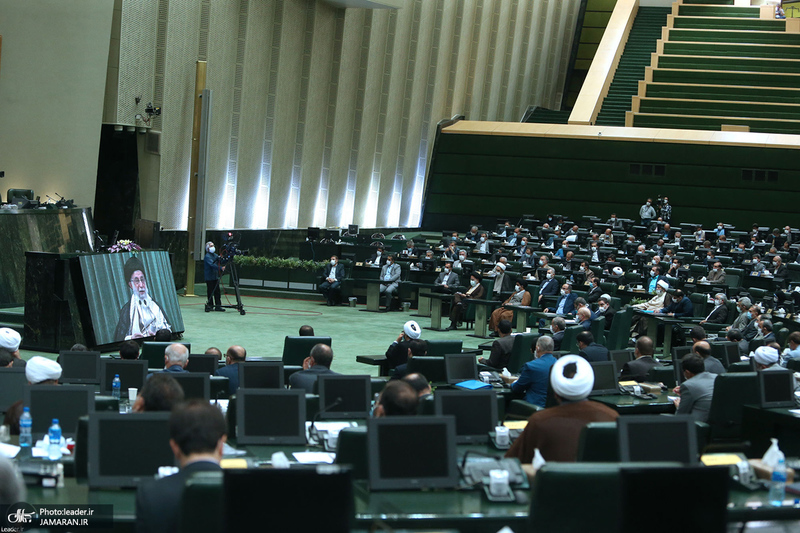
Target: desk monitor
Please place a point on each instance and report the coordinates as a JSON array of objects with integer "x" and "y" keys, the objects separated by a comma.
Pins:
[
  {"x": 475, "y": 413},
  {"x": 66, "y": 402},
  {"x": 153, "y": 352},
  {"x": 621, "y": 357},
  {"x": 706, "y": 513},
  {"x": 12, "y": 384},
  {"x": 131, "y": 374},
  {"x": 352, "y": 229},
  {"x": 460, "y": 367},
  {"x": 280, "y": 507},
  {"x": 732, "y": 353},
  {"x": 428, "y": 265},
  {"x": 312, "y": 234},
  {"x": 353, "y": 394},
  {"x": 207, "y": 363},
  {"x": 126, "y": 449},
  {"x": 605, "y": 378},
  {"x": 261, "y": 375},
  {"x": 678, "y": 353},
  {"x": 776, "y": 388},
  {"x": 194, "y": 384},
  {"x": 79, "y": 367},
  {"x": 644, "y": 438},
  {"x": 412, "y": 452},
  {"x": 578, "y": 277},
  {"x": 270, "y": 416}
]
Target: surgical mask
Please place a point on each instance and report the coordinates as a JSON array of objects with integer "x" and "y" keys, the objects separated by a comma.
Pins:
[
  {"x": 333, "y": 261},
  {"x": 463, "y": 257},
  {"x": 378, "y": 253},
  {"x": 749, "y": 315},
  {"x": 446, "y": 270},
  {"x": 541, "y": 261},
  {"x": 483, "y": 239},
  {"x": 472, "y": 282},
  {"x": 563, "y": 292},
  {"x": 549, "y": 276},
  {"x": 499, "y": 270},
  {"x": 517, "y": 288},
  {"x": 212, "y": 250},
  {"x": 564, "y": 246},
  {"x": 552, "y": 329},
  {"x": 720, "y": 226},
  {"x": 715, "y": 269},
  {"x": 602, "y": 307},
  {"x": 653, "y": 272},
  {"x": 717, "y": 302},
  {"x": 659, "y": 291},
  {"x": 648, "y": 203}
]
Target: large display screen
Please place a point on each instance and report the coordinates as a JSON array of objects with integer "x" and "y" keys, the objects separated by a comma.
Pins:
[{"x": 130, "y": 296}]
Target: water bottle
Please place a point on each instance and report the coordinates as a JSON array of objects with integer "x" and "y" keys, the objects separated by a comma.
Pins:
[
  {"x": 25, "y": 424},
  {"x": 54, "y": 449},
  {"x": 116, "y": 386},
  {"x": 777, "y": 489}
]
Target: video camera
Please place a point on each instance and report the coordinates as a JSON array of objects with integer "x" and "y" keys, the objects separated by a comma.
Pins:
[{"x": 230, "y": 246}]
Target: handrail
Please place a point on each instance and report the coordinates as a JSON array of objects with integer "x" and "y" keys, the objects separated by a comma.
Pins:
[{"x": 605, "y": 62}]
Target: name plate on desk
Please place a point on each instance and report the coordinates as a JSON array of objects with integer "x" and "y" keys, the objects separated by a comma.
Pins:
[{"x": 359, "y": 264}]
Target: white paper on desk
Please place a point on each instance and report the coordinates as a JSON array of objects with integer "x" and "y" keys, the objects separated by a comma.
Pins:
[
  {"x": 228, "y": 450},
  {"x": 38, "y": 452},
  {"x": 314, "y": 457},
  {"x": 8, "y": 450},
  {"x": 672, "y": 398}
]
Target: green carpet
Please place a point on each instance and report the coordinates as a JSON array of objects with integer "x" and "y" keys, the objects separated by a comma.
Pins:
[{"x": 268, "y": 320}]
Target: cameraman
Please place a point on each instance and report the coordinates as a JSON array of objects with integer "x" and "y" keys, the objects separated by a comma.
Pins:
[{"x": 212, "y": 268}]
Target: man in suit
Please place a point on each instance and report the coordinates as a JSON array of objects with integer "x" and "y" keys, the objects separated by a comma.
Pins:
[
  {"x": 614, "y": 222},
  {"x": 176, "y": 357},
  {"x": 447, "y": 280},
  {"x": 778, "y": 268},
  {"x": 557, "y": 327},
  {"x": 502, "y": 282},
  {"x": 566, "y": 302},
  {"x": 397, "y": 353},
  {"x": 716, "y": 275},
  {"x": 316, "y": 364},
  {"x": 534, "y": 375},
  {"x": 711, "y": 364},
  {"x": 475, "y": 291},
  {"x": 416, "y": 348},
  {"x": 501, "y": 348},
  {"x": 590, "y": 350},
  {"x": 720, "y": 312},
  {"x": 638, "y": 369},
  {"x": 331, "y": 286},
  {"x": 197, "y": 435},
  {"x": 397, "y": 398},
  {"x": 549, "y": 286},
  {"x": 159, "y": 393},
  {"x": 234, "y": 356},
  {"x": 652, "y": 281},
  {"x": 680, "y": 307},
  {"x": 696, "y": 392},
  {"x": 409, "y": 250},
  {"x": 584, "y": 318},
  {"x": 766, "y": 330},
  {"x": 741, "y": 321},
  {"x": 604, "y": 309},
  {"x": 595, "y": 291},
  {"x": 390, "y": 275},
  {"x": 378, "y": 258}
]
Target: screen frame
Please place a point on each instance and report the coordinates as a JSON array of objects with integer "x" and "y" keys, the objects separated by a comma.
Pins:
[
  {"x": 129, "y": 362},
  {"x": 438, "y": 406},
  {"x": 452, "y": 358},
  {"x": 241, "y": 404},
  {"x": 281, "y": 373},
  {"x": 95, "y": 478},
  {"x": 625, "y": 422},
  {"x": 147, "y": 346},
  {"x": 78, "y": 381},
  {"x": 16, "y": 393},
  {"x": 30, "y": 390},
  {"x": 615, "y": 372},
  {"x": 374, "y": 449},
  {"x": 762, "y": 392},
  {"x": 206, "y": 378},
  {"x": 346, "y": 415},
  {"x": 203, "y": 357}
]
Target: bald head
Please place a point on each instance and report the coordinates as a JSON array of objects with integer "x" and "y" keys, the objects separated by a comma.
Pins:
[
  {"x": 235, "y": 354},
  {"x": 702, "y": 348},
  {"x": 644, "y": 347}
]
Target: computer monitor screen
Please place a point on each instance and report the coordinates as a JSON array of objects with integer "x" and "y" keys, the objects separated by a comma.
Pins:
[
  {"x": 12, "y": 383},
  {"x": 79, "y": 367},
  {"x": 605, "y": 378},
  {"x": 66, "y": 402},
  {"x": 153, "y": 352},
  {"x": 125, "y": 449},
  {"x": 412, "y": 452},
  {"x": 733, "y": 353},
  {"x": 578, "y": 277},
  {"x": 776, "y": 388},
  {"x": 644, "y": 438},
  {"x": 207, "y": 363},
  {"x": 351, "y": 394},
  {"x": 194, "y": 384},
  {"x": 131, "y": 374},
  {"x": 621, "y": 357},
  {"x": 261, "y": 375},
  {"x": 270, "y": 416},
  {"x": 475, "y": 413},
  {"x": 428, "y": 265},
  {"x": 352, "y": 229},
  {"x": 460, "y": 367},
  {"x": 678, "y": 353},
  {"x": 312, "y": 234},
  {"x": 279, "y": 506},
  {"x": 708, "y": 513}
]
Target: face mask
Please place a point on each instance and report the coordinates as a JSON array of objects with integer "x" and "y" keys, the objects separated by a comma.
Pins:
[
  {"x": 552, "y": 329},
  {"x": 499, "y": 271},
  {"x": 463, "y": 257},
  {"x": 654, "y": 273},
  {"x": 446, "y": 270},
  {"x": 549, "y": 276},
  {"x": 483, "y": 239},
  {"x": 648, "y": 203},
  {"x": 775, "y": 265},
  {"x": 602, "y": 307},
  {"x": 378, "y": 253},
  {"x": 541, "y": 261},
  {"x": 517, "y": 288},
  {"x": 564, "y": 246},
  {"x": 333, "y": 261},
  {"x": 613, "y": 218},
  {"x": 715, "y": 269},
  {"x": 659, "y": 291},
  {"x": 717, "y": 303},
  {"x": 212, "y": 250},
  {"x": 749, "y": 315},
  {"x": 563, "y": 292},
  {"x": 472, "y": 282}
]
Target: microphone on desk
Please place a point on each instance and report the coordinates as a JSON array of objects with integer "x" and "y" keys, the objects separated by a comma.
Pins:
[{"x": 313, "y": 429}]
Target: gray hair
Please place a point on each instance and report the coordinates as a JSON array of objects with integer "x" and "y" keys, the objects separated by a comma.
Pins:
[
  {"x": 545, "y": 343},
  {"x": 560, "y": 323},
  {"x": 177, "y": 354}
]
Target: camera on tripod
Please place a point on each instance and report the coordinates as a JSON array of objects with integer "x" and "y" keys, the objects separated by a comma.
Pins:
[{"x": 230, "y": 246}]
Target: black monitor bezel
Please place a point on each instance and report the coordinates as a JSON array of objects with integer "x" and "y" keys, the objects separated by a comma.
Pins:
[
  {"x": 624, "y": 422},
  {"x": 66, "y": 431},
  {"x": 165, "y": 344},
  {"x": 203, "y": 357},
  {"x": 78, "y": 381},
  {"x": 762, "y": 396},
  {"x": 346, "y": 415},
  {"x": 442, "y": 395},
  {"x": 13, "y": 398},
  {"x": 206, "y": 378},
  {"x": 449, "y": 358},
  {"x": 615, "y": 372},
  {"x": 128, "y": 362},
  {"x": 242, "y": 396},
  {"x": 244, "y": 364}
]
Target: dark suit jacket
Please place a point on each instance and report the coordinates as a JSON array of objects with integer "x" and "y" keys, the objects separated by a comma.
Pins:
[
  {"x": 696, "y": 394},
  {"x": 594, "y": 295},
  {"x": 587, "y": 325},
  {"x": 718, "y": 316},
  {"x": 374, "y": 259},
  {"x": 549, "y": 287},
  {"x": 232, "y": 373},
  {"x": 681, "y": 309},
  {"x": 307, "y": 379},
  {"x": 507, "y": 284},
  {"x": 339, "y": 271},
  {"x": 557, "y": 338},
  {"x": 501, "y": 352},
  {"x": 158, "y": 502},
  {"x": 569, "y": 303},
  {"x": 637, "y": 369},
  {"x": 609, "y": 314},
  {"x": 595, "y": 352},
  {"x": 452, "y": 279},
  {"x": 780, "y": 272}
]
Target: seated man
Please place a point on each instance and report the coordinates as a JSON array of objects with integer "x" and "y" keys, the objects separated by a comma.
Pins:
[
  {"x": 176, "y": 357},
  {"x": 475, "y": 291},
  {"x": 681, "y": 307},
  {"x": 557, "y": 327},
  {"x": 501, "y": 348},
  {"x": 332, "y": 276},
  {"x": 502, "y": 282},
  {"x": 306, "y": 331},
  {"x": 792, "y": 351},
  {"x": 718, "y": 315},
  {"x": 9, "y": 345},
  {"x": 590, "y": 350},
  {"x": 39, "y": 371},
  {"x": 197, "y": 435},
  {"x": 710, "y": 363},
  {"x": 390, "y": 277},
  {"x": 520, "y": 296},
  {"x": 717, "y": 274},
  {"x": 234, "y": 356},
  {"x": 549, "y": 286},
  {"x": 398, "y": 398},
  {"x": 317, "y": 363},
  {"x": 159, "y": 393},
  {"x": 555, "y": 431},
  {"x": 378, "y": 258},
  {"x": 637, "y": 369},
  {"x": 397, "y": 353},
  {"x": 419, "y": 383},
  {"x": 584, "y": 318},
  {"x": 566, "y": 302},
  {"x": 654, "y": 304},
  {"x": 696, "y": 392},
  {"x": 416, "y": 348},
  {"x": 447, "y": 280},
  {"x": 534, "y": 375},
  {"x": 216, "y": 351},
  {"x": 129, "y": 350},
  {"x": 409, "y": 250},
  {"x": 604, "y": 309}
]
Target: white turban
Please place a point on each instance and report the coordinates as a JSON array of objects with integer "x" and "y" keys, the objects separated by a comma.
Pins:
[
  {"x": 501, "y": 265},
  {"x": 617, "y": 271},
  {"x": 41, "y": 369},
  {"x": 766, "y": 355},
  {"x": 578, "y": 386},
  {"x": 9, "y": 339},
  {"x": 412, "y": 330},
  {"x": 663, "y": 284},
  {"x": 606, "y": 296}
]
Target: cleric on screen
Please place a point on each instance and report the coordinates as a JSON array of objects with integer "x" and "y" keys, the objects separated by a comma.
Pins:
[{"x": 141, "y": 316}]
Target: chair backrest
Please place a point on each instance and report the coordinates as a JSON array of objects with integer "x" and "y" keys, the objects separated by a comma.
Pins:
[
  {"x": 442, "y": 347},
  {"x": 352, "y": 450},
  {"x": 569, "y": 343},
  {"x": 598, "y": 329},
  {"x": 699, "y": 301},
  {"x": 432, "y": 367},
  {"x": 722, "y": 349},
  {"x": 755, "y": 343},
  {"x": 781, "y": 336},
  {"x": 202, "y": 504},
  {"x": 661, "y": 374},
  {"x": 521, "y": 351},
  {"x": 598, "y": 443},
  {"x": 153, "y": 352},
  {"x": 731, "y": 392},
  {"x": 733, "y": 277},
  {"x": 619, "y": 333},
  {"x": 296, "y": 349}
]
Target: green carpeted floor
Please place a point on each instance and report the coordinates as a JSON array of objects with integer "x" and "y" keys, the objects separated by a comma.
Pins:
[{"x": 268, "y": 320}]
